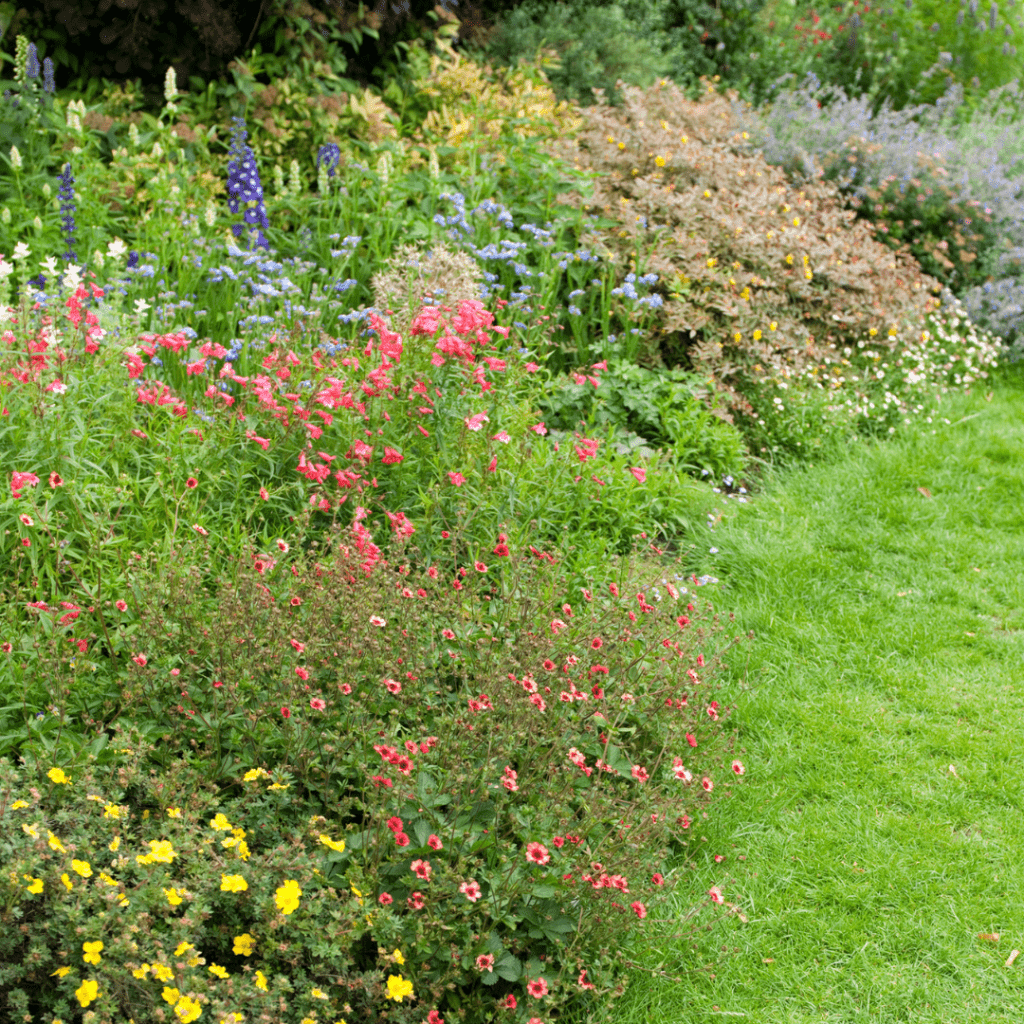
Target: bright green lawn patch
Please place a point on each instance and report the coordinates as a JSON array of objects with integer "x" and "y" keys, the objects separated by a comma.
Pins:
[{"x": 880, "y": 816}]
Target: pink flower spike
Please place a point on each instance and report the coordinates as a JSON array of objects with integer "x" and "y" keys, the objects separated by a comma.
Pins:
[
  {"x": 640, "y": 474},
  {"x": 476, "y": 422},
  {"x": 539, "y": 428},
  {"x": 456, "y": 478}
]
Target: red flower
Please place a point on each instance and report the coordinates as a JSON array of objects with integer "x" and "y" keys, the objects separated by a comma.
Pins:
[
  {"x": 737, "y": 767},
  {"x": 395, "y": 824},
  {"x": 416, "y": 901},
  {"x": 139, "y": 659},
  {"x": 639, "y": 773},
  {"x": 509, "y": 1002},
  {"x": 657, "y": 879},
  {"x": 691, "y": 739},
  {"x": 217, "y": 684},
  {"x": 191, "y": 483},
  {"x": 434, "y": 1018},
  {"x": 391, "y": 456},
  {"x": 435, "y": 843},
  {"x": 613, "y": 589},
  {"x": 421, "y": 869},
  {"x": 582, "y": 981},
  {"x": 641, "y": 910},
  {"x": 385, "y": 899},
  {"x": 485, "y": 962},
  {"x": 121, "y": 606},
  {"x": 597, "y": 643},
  {"x": 457, "y": 479},
  {"x": 301, "y": 673},
  {"x": 55, "y": 480},
  {"x": 480, "y": 567},
  {"x": 537, "y": 853},
  {"x": 538, "y": 988},
  {"x": 401, "y": 839},
  {"x": 471, "y": 890},
  {"x": 549, "y": 665},
  {"x": 285, "y": 713},
  {"x": 317, "y": 704},
  {"x": 716, "y": 894}
]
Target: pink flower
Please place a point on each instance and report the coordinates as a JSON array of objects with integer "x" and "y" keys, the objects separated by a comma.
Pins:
[
  {"x": 395, "y": 824},
  {"x": 456, "y": 478},
  {"x": 121, "y": 606},
  {"x": 317, "y": 704},
  {"x": 435, "y": 843},
  {"x": 531, "y": 367},
  {"x": 548, "y": 665},
  {"x": 447, "y": 634},
  {"x": 537, "y": 853},
  {"x": 471, "y": 890},
  {"x": 346, "y": 688},
  {"x": 639, "y": 908},
  {"x": 401, "y": 839},
  {"x": 55, "y": 480},
  {"x": 191, "y": 483},
  {"x": 485, "y": 962},
  {"x": 393, "y": 685},
  {"x": 538, "y": 988},
  {"x": 640, "y": 474},
  {"x": 737, "y": 767},
  {"x": 19, "y": 480},
  {"x": 421, "y": 869},
  {"x": 476, "y": 422},
  {"x": 298, "y": 645},
  {"x": 264, "y": 494},
  {"x": 557, "y": 625},
  {"x": 509, "y": 1002},
  {"x": 613, "y": 589},
  {"x": 503, "y": 436},
  {"x": 391, "y": 456},
  {"x": 707, "y": 784},
  {"x": 376, "y": 620},
  {"x": 657, "y": 878},
  {"x": 416, "y": 901},
  {"x": 139, "y": 659},
  {"x": 480, "y": 567},
  {"x": 26, "y": 520},
  {"x": 385, "y": 899},
  {"x": 639, "y": 773},
  {"x": 285, "y": 713},
  {"x": 301, "y": 673},
  {"x": 716, "y": 894},
  {"x": 539, "y": 428},
  {"x": 691, "y": 739},
  {"x": 582, "y": 981}
]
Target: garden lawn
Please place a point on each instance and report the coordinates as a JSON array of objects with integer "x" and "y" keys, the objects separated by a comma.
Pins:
[{"x": 880, "y": 722}]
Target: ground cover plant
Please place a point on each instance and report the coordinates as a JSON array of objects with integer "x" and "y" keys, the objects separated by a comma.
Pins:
[
  {"x": 872, "y": 847},
  {"x": 336, "y": 683}
]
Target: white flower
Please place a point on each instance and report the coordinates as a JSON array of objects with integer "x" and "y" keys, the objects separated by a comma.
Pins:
[
  {"x": 141, "y": 306},
  {"x": 98, "y": 258},
  {"x": 50, "y": 266},
  {"x": 211, "y": 215},
  {"x": 170, "y": 85},
  {"x": 157, "y": 151},
  {"x": 72, "y": 277},
  {"x": 21, "y": 252},
  {"x": 15, "y": 158},
  {"x": 116, "y": 249},
  {"x": 6, "y": 269}
]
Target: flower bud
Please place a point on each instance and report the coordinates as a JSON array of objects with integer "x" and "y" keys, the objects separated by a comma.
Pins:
[
  {"x": 15, "y": 158},
  {"x": 5, "y": 215},
  {"x": 37, "y": 223},
  {"x": 294, "y": 178}
]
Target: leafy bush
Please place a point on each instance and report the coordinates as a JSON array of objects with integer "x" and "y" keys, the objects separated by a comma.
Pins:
[
  {"x": 396, "y": 787},
  {"x": 907, "y": 172}
]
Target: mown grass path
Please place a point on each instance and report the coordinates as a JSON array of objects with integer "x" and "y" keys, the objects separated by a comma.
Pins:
[{"x": 882, "y": 720}]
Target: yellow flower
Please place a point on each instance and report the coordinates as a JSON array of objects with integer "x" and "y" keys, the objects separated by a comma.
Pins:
[
  {"x": 57, "y": 776},
  {"x": 221, "y": 972},
  {"x": 81, "y": 867},
  {"x": 111, "y": 811},
  {"x": 114, "y": 843},
  {"x": 31, "y": 831},
  {"x": 356, "y": 892},
  {"x": 338, "y": 845},
  {"x": 737, "y": 337},
  {"x": 261, "y": 980},
  {"x": 307, "y": 1020},
  {"x": 172, "y": 896},
  {"x": 772, "y": 326},
  {"x": 318, "y": 994},
  {"x": 123, "y": 901},
  {"x": 873, "y": 331},
  {"x": 399, "y": 959},
  {"x": 183, "y": 947},
  {"x": 707, "y": 194},
  {"x": 683, "y": 139},
  {"x": 67, "y": 881},
  {"x": 757, "y": 335},
  {"x": 61, "y": 972},
  {"x": 106, "y": 879},
  {"x": 242, "y": 850},
  {"x": 659, "y": 161},
  {"x": 141, "y": 972},
  {"x": 162, "y": 972},
  {"x": 796, "y": 222},
  {"x": 160, "y": 851},
  {"x": 255, "y": 773},
  {"x": 286, "y": 896},
  {"x": 187, "y": 1009},
  {"x": 173, "y": 812},
  {"x": 55, "y": 843},
  {"x": 712, "y": 261},
  {"x": 220, "y": 823},
  {"x": 92, "y": 952},
  {"x": 87, "y": 992},
  {"x": 35, "y": 885},
  {"x": 18, "y": 804},
  {"x": 611, "y": 138},
  {"x": 398, "y": 988},
  {"x": 622, "y": 145},
  {"x": 171, "y": 995},
  {"x": 279, "y": 785},
  {"x": 233, "y": 883},
  {"x": 244, "y": 945},
  {"x": 789, "y": 259}
]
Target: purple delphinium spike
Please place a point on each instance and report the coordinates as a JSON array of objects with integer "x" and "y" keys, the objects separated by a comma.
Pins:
[
  {"x": 66, "y": 193},
  {"x": 329, "y": 155},
  {"x": 48, "y": 83},
  {"x": 32, "y": 61},
  {"x": 244, "y": 186}
]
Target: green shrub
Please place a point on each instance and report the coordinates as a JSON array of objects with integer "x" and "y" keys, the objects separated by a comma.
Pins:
[{"x": 450, "y": 786}]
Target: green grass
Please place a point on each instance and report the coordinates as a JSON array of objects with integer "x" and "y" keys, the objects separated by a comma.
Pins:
[{"x": 879, "y": 712}]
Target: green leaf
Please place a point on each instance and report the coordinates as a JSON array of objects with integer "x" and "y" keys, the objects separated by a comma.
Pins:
[{"x": 509, "y": 968}]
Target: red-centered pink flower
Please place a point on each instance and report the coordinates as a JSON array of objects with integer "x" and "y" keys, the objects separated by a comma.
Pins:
[
  {"x": 639, "y": 908},
  {"x": 139, "y": 659},
  {"x": 538, "y": 988},
  {"x": 613, "y": 589},
  {"x": 416, "y": 901},
  {"x": 480, "y": 567},
  {"x": 7, "y": 647},
  {"x": 537, "y": 701},
  {"x": 395, "y": 824},
  {"x": 509, "y": 1002},
  {"x": 301, "y": 673},
  {"x": 737, "y": 767},
  {"x": 264, "y": 493},
  {"x": 639, "y": 773},
  {"x": 471, "y": 890},
  {"x": 295, "y": 602},
  {"x": 346, "y": 688},
  {"x": 456, "y": 478},
  {"x": 55, "y": 480},
  {"x": 582, "y": 981},
  {"x": 447, "y": 634},
  {"x": 434, "y": 1018},
  {"x": 707, "y": 784},
  {"x": 548, "y": 665},
  {"x": 537, "y": 853},
  {"x": 401, "y": 839},
  {"x": 376, "y": 620},
  {"x": 285, "y": 713},
  {"x": 317, "y": 704},
  {"x": 716, "y": 894},
  {"x": 191, "y": 483},
  {"x": 485, "y": 962},
  {"x": 657, "y": 878},
  {"x": 283, "y": 545},
  {"x": 435, "y": 843},
  {"x": 385, "y": 899},
  {"x": 421, "y": 869},
  {"x": 393, "y": 686},
  {"x": 26, "y": 520}
]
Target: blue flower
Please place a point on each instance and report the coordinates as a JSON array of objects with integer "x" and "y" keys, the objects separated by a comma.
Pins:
[
  {"x": 329, "y": 155},
  {"x": 133, "y": 260},
  {"x": 48, "y": 83},
  {"x": 66, "y": 192},
  {"x": 32, "y": 61},
  {"x": 244, "y": 186}
]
